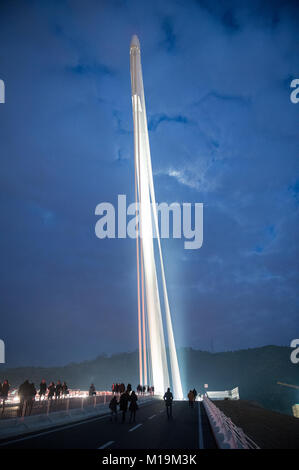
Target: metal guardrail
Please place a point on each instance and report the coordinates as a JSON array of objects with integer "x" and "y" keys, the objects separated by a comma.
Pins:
[
  {"x": 226, "y": 433},
  {"x": 46, "y": 406}
]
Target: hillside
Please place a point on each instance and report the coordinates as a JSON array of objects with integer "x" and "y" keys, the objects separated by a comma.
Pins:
[{"x": 255, "y": 371}]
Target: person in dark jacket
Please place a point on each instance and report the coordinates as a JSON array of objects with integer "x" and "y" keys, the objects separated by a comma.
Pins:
[
  {"x": 123, "y": 405},
  {"x": 4, "y": 389},
  {"x": 42, "y": 388},
  {"x": 31, "y": 397},
  {"x": 24, "y": 393},
  {"x": 133, "y": 406},
  {"x": 58, "y": 389},
  {"x": 194, "y": 393},
  {"x": 65, "y": 389},
  {"x": 168, "y": 398},
  {"x": 113, "y": 408},
  {"x": 92, "y": 390},
  {"x": 191, "y": 399},
  {"x": 51, "y": 390}
]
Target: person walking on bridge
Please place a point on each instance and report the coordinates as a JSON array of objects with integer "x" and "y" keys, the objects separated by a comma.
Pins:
[
  {"x": 42, "y": 389},
  {"x": 123, "y": 405},
  {"x": 4, "y": 393},
  {"x": 168, "y": 398},
  {"x": 133, "y": 406},
  {"x": 191, "y": 399},
  {"x": 113, "y": 407}
]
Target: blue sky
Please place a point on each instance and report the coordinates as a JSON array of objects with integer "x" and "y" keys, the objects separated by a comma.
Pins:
[{"x": 223, "y": 131}]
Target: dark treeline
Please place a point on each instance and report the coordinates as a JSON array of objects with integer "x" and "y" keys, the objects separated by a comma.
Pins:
[{"x": 255, "y": 371}]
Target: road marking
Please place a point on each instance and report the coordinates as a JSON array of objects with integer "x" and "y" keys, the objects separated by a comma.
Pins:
[
  {"x": 106, "y": 445},
  {"x": 151, "y": 417},
  {"x": 135, "y": 427},
  {"x": 200, "y": 429},
  {"x": 161, "y": 411},
  {"x": 61, "y": 428}
]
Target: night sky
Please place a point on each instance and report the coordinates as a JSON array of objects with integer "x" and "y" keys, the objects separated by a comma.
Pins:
[{"x": 223, "y": 132}]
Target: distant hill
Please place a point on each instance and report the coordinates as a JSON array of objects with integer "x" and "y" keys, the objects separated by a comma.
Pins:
[{"x": 255, "y": 371}]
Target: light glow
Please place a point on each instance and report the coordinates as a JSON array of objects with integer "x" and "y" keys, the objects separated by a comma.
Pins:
[{"x": 146, "y": 266}]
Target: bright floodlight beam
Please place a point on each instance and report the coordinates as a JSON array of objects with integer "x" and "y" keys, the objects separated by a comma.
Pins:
[{"x": 145, "y": 195}]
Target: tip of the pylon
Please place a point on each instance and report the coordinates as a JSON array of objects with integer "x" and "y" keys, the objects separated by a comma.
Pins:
[{"x": 135, "y": 41}]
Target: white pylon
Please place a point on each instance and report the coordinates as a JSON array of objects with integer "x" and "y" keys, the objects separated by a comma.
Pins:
[{"x": 145, "y": 194}]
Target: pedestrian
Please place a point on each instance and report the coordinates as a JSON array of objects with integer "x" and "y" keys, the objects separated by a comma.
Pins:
[
  {"x": 4, "y": 389},
  {"x": 58, "y": 389},
  {"x": 191, "y": 399},
  {"x": 65, "y": 389},
  {"x": 194, "y": 393},
  {"x": 168, "y": 398},
  {"x": 31, "y": 397},
  {"x": 113, "y": 407},
  {"x": 42, "y": 389},
  {"x": 129, "y": 388},
  {"x": 51, "y": 390},
  {"x": 92, "y": 390},
  {"x": 24, "y": 395},
  {"x": 123, "y": 405},
  {"x": 133, "y": 406}
]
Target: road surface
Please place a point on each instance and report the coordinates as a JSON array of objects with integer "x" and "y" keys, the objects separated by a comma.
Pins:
[{"x": 189, "y": 429}]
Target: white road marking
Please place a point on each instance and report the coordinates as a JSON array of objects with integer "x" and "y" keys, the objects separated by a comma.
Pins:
[
  {"x": 135, "y": 427},
  {"x": 151, "y": 417},
  {"x": 200, "y": 429},
  {"x": 60, "y": 428},
  {"x": 106, "y": 445}
]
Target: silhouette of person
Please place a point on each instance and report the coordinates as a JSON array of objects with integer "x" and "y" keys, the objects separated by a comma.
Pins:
[
  {"x": 42, "y": 388},
  {"x": 194, "y": 393},
  {"x": 58, "y": 389},
  {"x": 4, "y": 389},
  {"x": 113, "y": 407},
  {"x": 31, "y": 396},
  {"x": 191, "y": 399},
  {"x": 24, "y": 394},
  {"x": 133, "y": 406},
  {"x": 65, "y": 389},
  {"x": 51, "y": 390},
  {"x": 168, "y": 398},
  {"x": 92, "y": 390},
  {"x": 123, "y": 405}
]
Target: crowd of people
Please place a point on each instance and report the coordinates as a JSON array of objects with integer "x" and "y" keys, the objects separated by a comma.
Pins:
[
  {"x": 123, "y": 397},
  {"x": 140, "y": 389},
  {"x": 27, "y": 393},
  {"x": 127, "y": 401}
]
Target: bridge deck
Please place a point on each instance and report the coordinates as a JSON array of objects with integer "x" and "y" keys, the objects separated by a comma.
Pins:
[
  {"x": 269, "y": 429},
  {"x": 189, "y": 429}
]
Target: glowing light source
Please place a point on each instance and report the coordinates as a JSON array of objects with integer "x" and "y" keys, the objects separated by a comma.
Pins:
[{"x": 146, "y": 266}]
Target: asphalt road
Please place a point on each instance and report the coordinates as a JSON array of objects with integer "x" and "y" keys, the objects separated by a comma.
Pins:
[{"x": 188, "y": 429}]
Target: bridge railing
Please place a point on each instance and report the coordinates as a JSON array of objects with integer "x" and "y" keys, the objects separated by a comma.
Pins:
[
  {"x": 75, "y": 400},
  {"x": 226, "y": 433}
]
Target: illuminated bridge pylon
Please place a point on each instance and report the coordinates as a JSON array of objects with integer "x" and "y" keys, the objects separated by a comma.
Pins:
[{"x": 153, "y": 362}]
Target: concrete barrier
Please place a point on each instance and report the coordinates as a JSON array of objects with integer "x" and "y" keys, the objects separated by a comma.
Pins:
[{"x": 28, "y": 424}]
